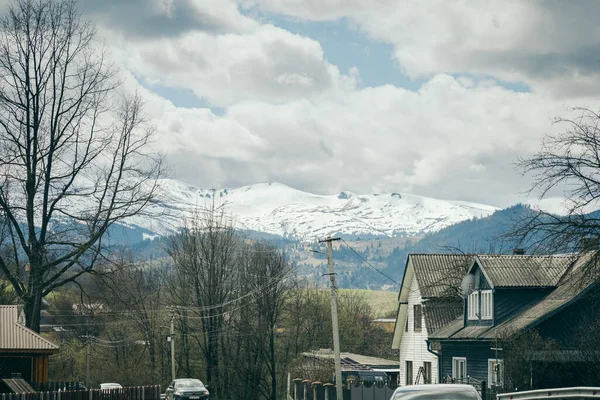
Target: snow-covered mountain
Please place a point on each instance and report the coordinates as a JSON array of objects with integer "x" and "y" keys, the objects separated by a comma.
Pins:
[{"x": 278, "y": 209}]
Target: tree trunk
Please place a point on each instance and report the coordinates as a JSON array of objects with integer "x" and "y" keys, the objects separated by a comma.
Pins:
[
  {"x": 33, "y": 307},
  {"x": 273, "y": 364}
]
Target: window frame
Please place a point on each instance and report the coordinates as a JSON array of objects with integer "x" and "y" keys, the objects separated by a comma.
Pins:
[
  {"x": 427, "y": 365},
  {"x": 454, "y": 367},
  {"x": 417, "y": 322},
  {"x": 473, "y": 300},
  {"x": 487, "y": 304},
  {"x": 408, "y": 373}
]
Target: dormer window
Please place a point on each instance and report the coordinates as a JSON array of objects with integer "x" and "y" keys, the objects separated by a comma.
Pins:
[
  {"x": 480, "y": 305},
  {"x": 473, "y": 305}
]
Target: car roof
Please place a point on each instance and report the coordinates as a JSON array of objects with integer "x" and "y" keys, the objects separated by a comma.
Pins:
[
  {"x": 187, "y": 380},
  {"x": 444, "y": 386}
]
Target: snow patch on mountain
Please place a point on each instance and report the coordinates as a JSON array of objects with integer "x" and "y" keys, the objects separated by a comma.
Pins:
[{"x": 278, "y": 209}]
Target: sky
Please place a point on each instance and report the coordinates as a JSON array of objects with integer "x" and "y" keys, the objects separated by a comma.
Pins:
[{"x": 436, "y": 98}]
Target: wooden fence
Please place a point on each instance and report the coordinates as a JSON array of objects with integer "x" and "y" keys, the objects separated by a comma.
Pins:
[
  {"x": 307, "y": 390},
  {"x": 127, "y": 393},
  {"x": 58, "y": 385}
]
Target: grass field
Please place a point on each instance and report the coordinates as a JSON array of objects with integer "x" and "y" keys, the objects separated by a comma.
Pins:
[{"x": 383, "y": 303}]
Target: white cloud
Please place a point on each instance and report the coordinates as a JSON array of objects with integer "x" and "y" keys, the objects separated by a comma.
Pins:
[
  {"x": 550, "y": 45},
  {"x": 265, "y": 64},
  {"x": 291, "y": 116},
  {"x": 448, "y": 140}
]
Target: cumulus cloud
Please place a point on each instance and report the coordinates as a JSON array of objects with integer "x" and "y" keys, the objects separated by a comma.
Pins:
[
  {"x": 143, "y": 19},
  {"x": 550, "y": 45},
  {"x": 290, "y": 115},
  {"x": 447, "y": 140},
  {"x": 267, "y": 63}
]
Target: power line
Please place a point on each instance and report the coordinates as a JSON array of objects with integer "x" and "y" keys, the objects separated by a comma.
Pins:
[{"x": 368, "y": 263}]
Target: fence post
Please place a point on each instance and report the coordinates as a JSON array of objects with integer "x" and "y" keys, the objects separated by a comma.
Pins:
[
  {"x": 297, "y": 383},
  {"x": 316, "y": 386},
  {"x": 484, "y": 390},
  {"x": 329, "y": 388}
]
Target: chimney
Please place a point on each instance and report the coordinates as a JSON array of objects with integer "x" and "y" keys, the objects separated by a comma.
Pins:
[
  {"x": 519, "y": 252},
  {"x": 589, "y": 243}
]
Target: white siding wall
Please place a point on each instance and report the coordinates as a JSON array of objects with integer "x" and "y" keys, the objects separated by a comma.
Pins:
[{"x": 413, "y": 346}]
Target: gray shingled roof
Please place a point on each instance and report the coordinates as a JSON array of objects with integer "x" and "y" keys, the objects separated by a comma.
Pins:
[
  {"x": 524, "y": 270},
  {"x": 439, "y": 275},
  {"x": 569, "y": 288},
  {"x": 440, "y": 312},
  {"x": 14, "y": 336}
]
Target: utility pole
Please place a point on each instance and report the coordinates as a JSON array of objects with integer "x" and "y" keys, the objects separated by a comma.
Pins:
[
  {"x": 172, "y": 338},
  {"x": 87, "y": 363},
  {"x": 334, "y": 318}
]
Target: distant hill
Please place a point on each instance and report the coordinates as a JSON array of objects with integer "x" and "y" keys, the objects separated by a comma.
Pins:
[
  {"x": 478, "y": 235},
  {"x": 385, "y": 256}
]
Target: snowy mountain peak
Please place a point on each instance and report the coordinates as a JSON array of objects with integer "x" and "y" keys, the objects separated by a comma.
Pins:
[{"x": 278, "y": 209}]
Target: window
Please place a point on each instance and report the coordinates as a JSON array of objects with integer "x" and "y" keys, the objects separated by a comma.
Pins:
[
  {"x": 495, "y": 373},
  {"x": 427, "y": 371},
  {"x": 487, "y": 304},
  {"x": 406, "y": 327},
  {"x": 409, "y": 373},
  {"x": 418, "y": 317},
  {"x": 459, "y": 368},
  {"x": 473, "y": 305}
]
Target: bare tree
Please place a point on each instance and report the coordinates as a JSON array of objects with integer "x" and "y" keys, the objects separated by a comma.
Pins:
[
  {"x": 204, "y": 255},
  {"x": 528, "y": 358},
  {"x": 73, "y": 158},
  {"x": 136, "y": 289},
  {"x": 568, "y": 163},
  {"x": 266, "y": 279}
]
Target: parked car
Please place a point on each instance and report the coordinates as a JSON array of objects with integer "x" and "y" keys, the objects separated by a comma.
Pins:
[
  {"x": 436, "y": 392},
  {"x": 110, "y": 386},
  {"x": 365, "y": 376},
  {"x": 186, "y": 389}
]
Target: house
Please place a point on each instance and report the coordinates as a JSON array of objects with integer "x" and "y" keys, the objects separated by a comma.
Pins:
[
  {"x": 506, "y": 295},
  {"x": 428, "y": 299},
  {"x": 22, "y": 350},
  {"x": 351, "y": 362},
  {"x": 387, "y": 324}
]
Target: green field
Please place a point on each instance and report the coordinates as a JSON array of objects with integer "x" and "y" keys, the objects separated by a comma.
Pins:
[{"x": 383, "y": 303}]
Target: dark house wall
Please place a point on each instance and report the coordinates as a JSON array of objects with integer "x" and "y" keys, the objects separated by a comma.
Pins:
[
  {"x": 477, "y": 355},
  {"x": 567, "y": 325},
  {"x": 508, "y": 302}
]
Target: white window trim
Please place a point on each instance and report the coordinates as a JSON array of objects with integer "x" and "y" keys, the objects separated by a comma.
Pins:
[
  {"x": 454, "y": 371},
  {"x": 490, "y": 304},
  {"x": 491, "y": 362},
  {"x": 473, "y": 312}
]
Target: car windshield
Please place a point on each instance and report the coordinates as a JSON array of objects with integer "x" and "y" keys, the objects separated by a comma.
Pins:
[
  {"x": 110, "y": 386},
  {"x": 436, "y": 395},
  {"x": 189, "y": 383}
]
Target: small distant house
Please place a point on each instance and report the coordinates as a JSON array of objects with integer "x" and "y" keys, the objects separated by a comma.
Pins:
[
  {"x": 89, "y": 309},
  {"x": 22, "y": 351},
  {"x": 387, "y": 324},
  {"x": 509, "y": 294},
  {"x": 428, "y": 299},
  {"x": 351, "y": 362}
]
